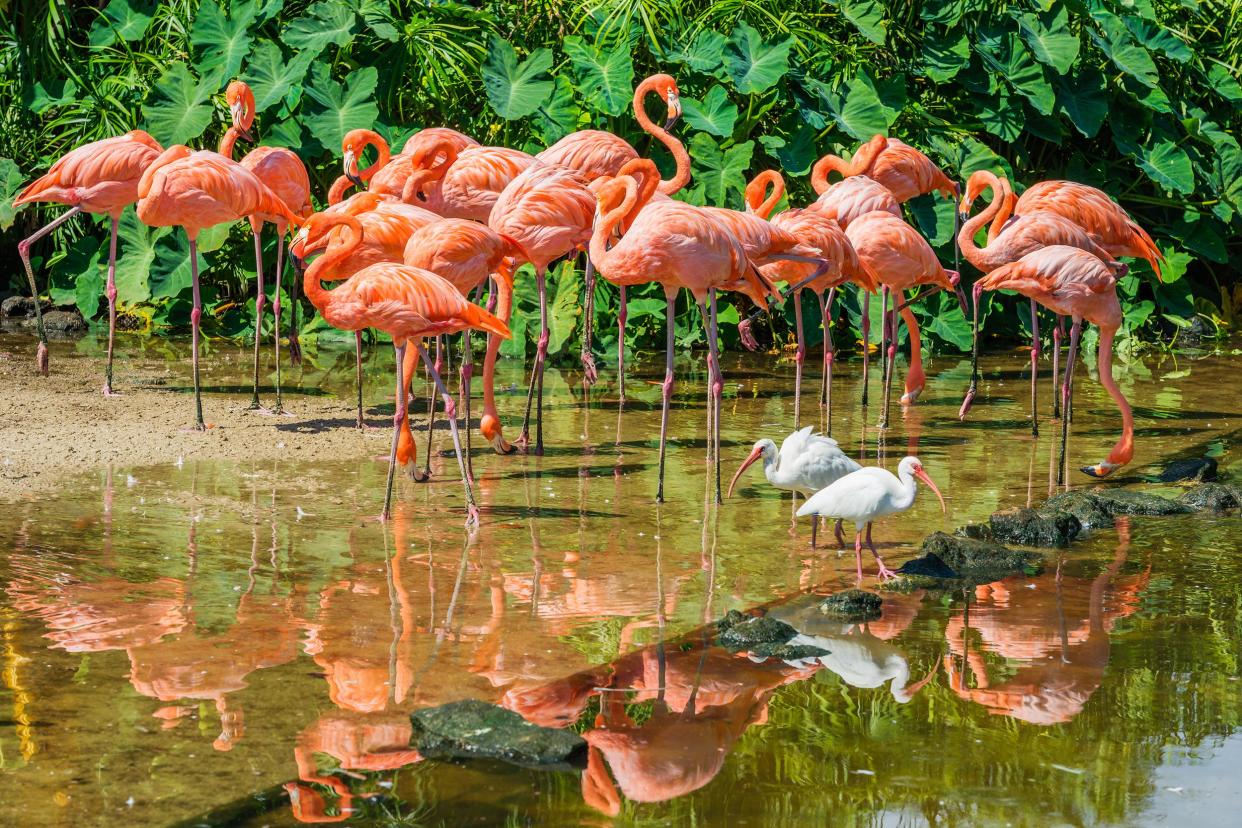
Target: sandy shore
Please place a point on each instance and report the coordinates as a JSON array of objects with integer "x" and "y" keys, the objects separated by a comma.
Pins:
[{"x": 58, "y": 425}]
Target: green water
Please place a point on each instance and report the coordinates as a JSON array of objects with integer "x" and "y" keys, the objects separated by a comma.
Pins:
[{"x": 180, "y": 642}]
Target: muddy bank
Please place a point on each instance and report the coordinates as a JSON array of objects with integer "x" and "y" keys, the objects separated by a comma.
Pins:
[{"x": 59, "y": 425}]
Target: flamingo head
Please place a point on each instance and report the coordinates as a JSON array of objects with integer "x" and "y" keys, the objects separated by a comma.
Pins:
[
  {"x": 763, "y": 448},
  {"x": 1102, "y": 469},
  {"x": 666, "y": 85},
  {"x": 241, "y": 107},
  {"x": 913, "y": 466}
]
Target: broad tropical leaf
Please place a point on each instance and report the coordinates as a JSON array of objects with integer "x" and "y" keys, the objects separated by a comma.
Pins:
[
  {"x": 796, "y": 154},
  {"x": 515, "y": 88},
  {"x": 221, "y": 42},
  {"x": 271, "y": 75},
  {"x": 1225, "y": 84},
  {"x": 944, "y": 54},
  {"x": 755, "y": 66},
  {"x": 715, "y": 113},
  {"x": 944, "y": 12},
  {"x": 177, "y": 111},
  {"x": 338, "y": 108},
  {"x": 859, "y": 110},
  {"x": 1084, "y": 100},
  {"x": 1001, "y": 115},
  {"x": 704, "y": 54},
  {"x": 721, "y": 173},
  {"x": 43, "y": 96},
  {"x": 867, "y": 16},
  {"x": 326, "y": 22},
  {"x": 124, "y": 20},
  {"x": 566, "y": 307},
  {"x": 1155, "y": 36},
  {"x": 1009, "y": 57},
  {"x": 1050, "y": 39},
  {"x": 80, "y": 276},
  {"x": 11, "y": 182},
  {"x": 1169, "y": 166},
  {"x": 605, "y": 80},
  {"x": 1119, "y": 45},
  {"x": 557, "y": 116}
]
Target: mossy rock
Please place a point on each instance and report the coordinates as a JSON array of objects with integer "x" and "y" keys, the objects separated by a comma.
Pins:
[
  {"x": 1091, "y": 512},
  {"x": 852, "y": 605},
  {"x": 752, "y": 632},
  {"x": 1031, "y": 527},
  {"x": 474, "y": 729},
  {"x": 788, "y": 652},
  {"x": 978, "y": 561},
  {"x": 1212, "y": 497},
  {"x": 1193, "y": 469},
  {"x": 1131, "y": 502}
]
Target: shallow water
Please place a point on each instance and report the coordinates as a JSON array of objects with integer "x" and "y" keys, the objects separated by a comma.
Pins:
[{"x": 179, "y": 642}]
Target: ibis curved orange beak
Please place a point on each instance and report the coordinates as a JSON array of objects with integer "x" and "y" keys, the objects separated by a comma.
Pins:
[
  {"x": 922, "y": 475},
  {"x": 755, "y": 454}
]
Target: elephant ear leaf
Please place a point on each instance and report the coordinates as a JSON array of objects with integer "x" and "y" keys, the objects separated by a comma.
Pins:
[
  {"x": 327, "y": 22},
  {"x": 1168, "y": 165},
  {"x": 338, "y": 108},
  {"x": 755, "y": 66},
  {"x": 11, "y": 180},
  {"x": 867, "y": 16},
  {"x": 123, "y": 20},
  {"x": 515, "y": 88},
  {"x": 721, "y": 173},
  {"x": 271, "y": 75},
  {"x": 606, "y": 80},
  {"x": 1050, "y": 39},
  {"x": 178, "y": 110},
  {"x": 715, "y": 113},
  {"x": 221, "y": 42}
]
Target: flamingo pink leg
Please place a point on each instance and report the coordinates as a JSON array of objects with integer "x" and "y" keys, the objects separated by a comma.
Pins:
[
  {"x": 1034, "y": 369},
  {"x": 258, "y": 318},
  {"x": 825, "y": 396},
  {"x": 799, "y": 358},
  {"x": 23, "y": 250},
  {"x": 588, "y": 319},
  {"x": 358, "y": 375},
  {"x": 535, "y": 392},
  {"x": 196, "y": 316},
  {"x": 279, "y": 408},
  {"x": 866, "y": 341},
  {"x": 670, "y": 297},
  {"x": 1058, "y": 333},
  {"x": 110, "y": 290},
  {"x": 622, "y": 312},
  {"x": 398, "y": 417},
  {"x": 450, "y": 413}
]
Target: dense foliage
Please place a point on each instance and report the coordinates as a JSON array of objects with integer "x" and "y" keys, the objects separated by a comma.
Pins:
[{"x": 1139, "y": 97}]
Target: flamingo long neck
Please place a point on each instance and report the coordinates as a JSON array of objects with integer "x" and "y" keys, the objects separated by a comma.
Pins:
[
  {"x": 373, "y": 139},
  {"x": 1123, "y": 451},
  {"x": 489, "y": 425},
  {"x": 755, "y": 190},
  {"x": 173, "y": 153},
  {"x": 978, "y": 256},
  {"x": 1007, "y": 202},
  {"x": 228, "y": 141},
  {"x": 826, "y": 165},
  {"x": 610, "y": 222},
  {"x": 645, "y": 172},
  {"x": 678, "y": 150},
  {"x": 352, "y": 237},
  {"x": 339, "y": 187}
]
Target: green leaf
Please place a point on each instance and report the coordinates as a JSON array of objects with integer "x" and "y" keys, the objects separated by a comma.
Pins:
[
  {"x": 945, "y": 54},
  {"x": 1050, "y": 39},
  {"x": 860, "y": 113},
  {"x": 1225, "y": 84},
  {"x": 704, "y": 54},
  {"x": 1119, "y": 46},
  {"x": 796, "y": 155},
  {"x": 566, "y": 307},
  {"x": 755, "y": 66},
  {"x": 80, "y": 276},
  {"x": 944, "y": 12},
  {"x": 340, "y": 108},
  {"x": 265, "y": 10},
  {"x": 11, "y": 181},
  {"x": 1155, "y": 36},
  {"x": 606, "y": 81},
  {"x": 1001, "y": 115},
  {"x": 1152, "y": 97},
  {"x": 1169, "y": 166},
  {"x": 123, "y": 19},
  {"x": 515, "y": 89},
  {"x": 715, "y": 113},
  {"x": 965, "y": 155},
  {"x": 1006, "y": 55},
  {"x": 137, "y": 245},
  {"x": 722, "y": 174},
  {"x": 177, "y": 110},
  {"x": 1175, "y": 263},
  {"x": 867, "y": 16},
  {"x": 55, "y": 92},
  {"x": 221, "y": 42},
  {"x": 557, "y": 116},
  {"x": 270, "y": 74},
  {"x": 934, "y": 217},
  {"x": 1084, "y": 100},
  {"x": 326, "y": 22}
]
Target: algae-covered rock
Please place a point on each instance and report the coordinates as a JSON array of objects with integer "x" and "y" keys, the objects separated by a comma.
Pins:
[
  {"x": 1030, "y": 527},
  {"x": 475, "y": 729},
  {"x": 928, "y": 566},
  {"x": 1196, "y": 469},
  {"x": 1089, "y": 509},
  {"x": 1212, "y": 497},
  {"x": 852, "y": 605},
  {"x": 979, "y": 561},
  {"x": 976, "y": 531},
  {"x": 788, "y": 652},
  {"x": 1131, "y": 502},
  {"x": 748, "y": 634}
]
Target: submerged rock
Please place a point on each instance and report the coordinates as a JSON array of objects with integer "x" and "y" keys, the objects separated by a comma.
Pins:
[
  {"x": 788, "y": 652},
  {"x": 852, "y": 605},
  {"x": 1130, "y": 502},
  {"x": 751, "y": 632},
  {"x": 980, "y": 561},
  {"x": 20, "y": 307},
  {"x": 63, "y": 321},
  {"x": 1089, "y": 509},
  {"x": 474, "y": 729},
  {"x": 1197, "y": 469},
  {"x": 1212, "y": 497},
  {"x": 929, "y": 565},
  {"x": 1030, "y": 527}
]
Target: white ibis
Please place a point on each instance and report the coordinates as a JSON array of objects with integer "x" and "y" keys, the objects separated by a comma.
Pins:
[
  {"x": 805, "y": 464},
  {"x": 867, "y": 495}
]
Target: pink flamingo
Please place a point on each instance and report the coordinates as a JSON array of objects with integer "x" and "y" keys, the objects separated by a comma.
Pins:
[
  {"x": 465, "y": 183},
  {"x": 99, "y": 177},
  {"x": 899, "y": 167}
]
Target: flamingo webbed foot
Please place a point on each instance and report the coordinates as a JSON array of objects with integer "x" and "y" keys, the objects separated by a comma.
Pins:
[{"x": 42, "y": 360}]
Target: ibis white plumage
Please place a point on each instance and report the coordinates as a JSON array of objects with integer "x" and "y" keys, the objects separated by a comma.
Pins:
[
  {"x": 806, "y": 463},
  {"x": 867, "y": 495}
]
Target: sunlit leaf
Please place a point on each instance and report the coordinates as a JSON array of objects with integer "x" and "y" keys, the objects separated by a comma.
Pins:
[
  {"x": 1002, "y": 116},
  {"x": 715, "y": 113},
  {"x": 1155, "y": 36},
  {"x": 79, "y": 277},
  {"x": 566, "y": 307},
  {"x": 221, "y": 42},
  {"x": 1050, "y": 39},
  {"x": 704, "y": 54},
  {"x": 177, "y": 110},
  {"x": 326, "y": 22},
  {"x": 722, "y": 174},
  {"x": 944, "y": 54},
  {"x": 866, "y": 15},
  {"x": 1225, "y": 84},
  {"x": 1006, "y": 54},
  {"x": 338, "y": 108},
  {"x": 121, "y": 19},
  {"x": 944, "y": 12},
  {"x": 796, "y": 154},
  {"x": 859, "y": 110},
  {"x": 1169, "y": 166},
  {"x": 52, "y": 93},
  {"x": 605, "y": 80},
  {"x": 755, "y": 66},
  {"x": 11, "y": 182},
  {"x": 558, "y": 115},
  {"x": 1119, "y": 45},
  {"x": 515, "y": 88},
  {"x": 270, "y": 74}
]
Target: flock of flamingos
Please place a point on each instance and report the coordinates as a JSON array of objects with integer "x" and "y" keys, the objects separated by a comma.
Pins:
[{"x": 433, "y": 224}]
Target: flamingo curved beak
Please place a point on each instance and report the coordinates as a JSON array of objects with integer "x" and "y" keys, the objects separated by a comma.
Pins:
[
  {"x": 674, "y": 111},
  {"x": 922, "y": 475},
  {"x": 754, "y": 455}
]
